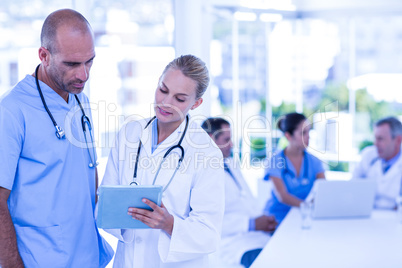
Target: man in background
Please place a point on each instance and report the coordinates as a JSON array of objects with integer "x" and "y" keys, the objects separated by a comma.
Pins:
[
  {"x": 245, "y": 231},
  {"x": 383, "y": 162}
]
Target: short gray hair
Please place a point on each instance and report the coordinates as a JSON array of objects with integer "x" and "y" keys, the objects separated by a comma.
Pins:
[
  {"x": 393, "y": 123},
  {"x": 59, "y": 18}
]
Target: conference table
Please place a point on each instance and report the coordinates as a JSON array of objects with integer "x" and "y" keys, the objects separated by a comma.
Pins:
[{"x": 374, "y": 242}]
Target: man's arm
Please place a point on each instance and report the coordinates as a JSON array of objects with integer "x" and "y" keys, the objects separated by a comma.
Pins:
[
  {"x": 9, "y": 256},
  {"x": 265, "y": 223}
]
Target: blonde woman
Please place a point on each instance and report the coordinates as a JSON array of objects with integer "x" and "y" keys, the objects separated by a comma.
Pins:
[{"x": 186, "y": 227}]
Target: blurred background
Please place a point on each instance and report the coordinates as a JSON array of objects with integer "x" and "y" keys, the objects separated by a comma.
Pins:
[{"x": 338, "y": 62}]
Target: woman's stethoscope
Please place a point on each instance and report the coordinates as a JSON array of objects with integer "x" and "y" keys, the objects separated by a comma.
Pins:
[
  {"x": 177, "y": 146},
  {"x": 304, "y": 180},
  {"x": 60, "y": 132}
]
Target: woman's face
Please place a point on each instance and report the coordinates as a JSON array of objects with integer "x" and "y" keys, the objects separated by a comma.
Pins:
[
  {"x": 300, "y": 137},
  {"x": 175, "y": 96}
]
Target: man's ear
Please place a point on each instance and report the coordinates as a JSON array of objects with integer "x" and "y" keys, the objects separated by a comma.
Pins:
[
  {"x": 44, "y": 56},
  {"x": 197, "y": 103},
  {"x": 399, "y": 139}
]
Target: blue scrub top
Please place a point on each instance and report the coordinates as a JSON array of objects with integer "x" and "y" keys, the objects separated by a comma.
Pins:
[
  {"x": 52, "y": 197},
  {"x": 299, "y": 186}
]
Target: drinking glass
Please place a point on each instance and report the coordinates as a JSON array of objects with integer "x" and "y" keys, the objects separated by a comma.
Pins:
[{"x": 306, "y": 210}]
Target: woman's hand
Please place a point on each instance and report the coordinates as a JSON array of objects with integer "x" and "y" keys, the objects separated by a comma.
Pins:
[{"x": 159, "y": 218}]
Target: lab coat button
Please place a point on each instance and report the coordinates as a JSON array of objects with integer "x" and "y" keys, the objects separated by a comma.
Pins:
[{"x": 138, "y": 240}]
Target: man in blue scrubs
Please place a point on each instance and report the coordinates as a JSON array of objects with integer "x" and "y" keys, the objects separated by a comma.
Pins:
[{"x": 47, "y": 187}]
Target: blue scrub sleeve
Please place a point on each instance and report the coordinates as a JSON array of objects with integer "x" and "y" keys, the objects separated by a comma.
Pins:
[
  {"x": 251, "y": 224},
  {"x": 11, "y": 139},
  {"x": 317, "y": 165},
  {"x": 274, "y": 169}
]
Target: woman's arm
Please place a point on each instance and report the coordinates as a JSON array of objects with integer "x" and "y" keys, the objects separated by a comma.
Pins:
[
  {"x": 320, "y": 175},
  {"x": 282, "y": 193}
]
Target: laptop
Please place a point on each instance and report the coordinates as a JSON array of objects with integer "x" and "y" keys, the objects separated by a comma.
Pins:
[{"x": 343, "y": 199}]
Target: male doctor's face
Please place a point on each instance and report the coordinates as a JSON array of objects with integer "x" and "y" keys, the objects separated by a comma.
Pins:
[
  {"x": 387, "y": 147},
  {"x": 224, "y": 140},
  {"x": 68, "y": 66}
]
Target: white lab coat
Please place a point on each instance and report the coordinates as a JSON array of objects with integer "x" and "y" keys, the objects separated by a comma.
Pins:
[
  {"x": 240, "y": 206},
  {"x": 195, "y": 197},
  {"x": 388, "y": 184}
]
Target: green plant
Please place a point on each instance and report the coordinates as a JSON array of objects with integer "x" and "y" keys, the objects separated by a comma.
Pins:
[{"x": 364, "y": 144}]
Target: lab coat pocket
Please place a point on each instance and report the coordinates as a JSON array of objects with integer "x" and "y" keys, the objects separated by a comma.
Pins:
[{"x": 41, "y": 246}]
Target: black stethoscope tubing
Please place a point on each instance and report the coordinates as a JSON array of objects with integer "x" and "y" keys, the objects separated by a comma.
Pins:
[
  {"x": 59, "y": 131},
  {"x": 178, "y": 145},
  {"x": 374, "y": 161}
]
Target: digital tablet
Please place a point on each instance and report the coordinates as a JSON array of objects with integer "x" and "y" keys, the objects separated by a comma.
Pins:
[{"x": 114, "y": 201}]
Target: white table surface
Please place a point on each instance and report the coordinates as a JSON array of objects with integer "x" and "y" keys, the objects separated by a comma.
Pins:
[{"x": 374, "y": 242}]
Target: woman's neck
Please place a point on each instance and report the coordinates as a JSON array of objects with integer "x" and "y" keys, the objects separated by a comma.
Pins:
[
  {"x": 292, "y": 151},
  {"x": 166, "y": 129}
]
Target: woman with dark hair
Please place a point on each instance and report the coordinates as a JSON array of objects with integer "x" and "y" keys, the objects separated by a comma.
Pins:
[{"x": 292, "y": 170}]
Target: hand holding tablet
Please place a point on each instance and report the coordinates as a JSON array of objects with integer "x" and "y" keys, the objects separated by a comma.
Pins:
[{"x": 114, "y": 201}]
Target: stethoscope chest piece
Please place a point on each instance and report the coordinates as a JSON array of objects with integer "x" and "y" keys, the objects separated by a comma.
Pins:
[
  {"x": 304, "y": 181},
  {"x": 300, "y": 181},
  {"x": 60, "y": 133},
  {"x": 287, "y": 173}
]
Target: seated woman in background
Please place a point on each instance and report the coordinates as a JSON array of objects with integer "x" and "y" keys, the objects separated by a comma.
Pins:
[{"x": 292, "y": 170}]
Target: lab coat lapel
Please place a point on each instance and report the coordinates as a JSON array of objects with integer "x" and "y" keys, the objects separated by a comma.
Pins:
[
  {"x": 146, "y": 140},
  {"x": 396, "y": 168},
  {"x": 393, "y": 177},
  {"x": 388, "y": 184},
  {"x": 375, "y": 170},
  {"x": 170, "y": 141}
]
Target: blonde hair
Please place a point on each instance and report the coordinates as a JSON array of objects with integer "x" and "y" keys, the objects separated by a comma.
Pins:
[{"x": 193, "y": 68}]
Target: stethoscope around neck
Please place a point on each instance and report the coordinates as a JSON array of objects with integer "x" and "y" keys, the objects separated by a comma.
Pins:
[
  {"x": 177, "y": 146},
  {"x": 235, "y": 180},
  {"x": 304, "y": 180},
  {"x": 85, "y": 122}
]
